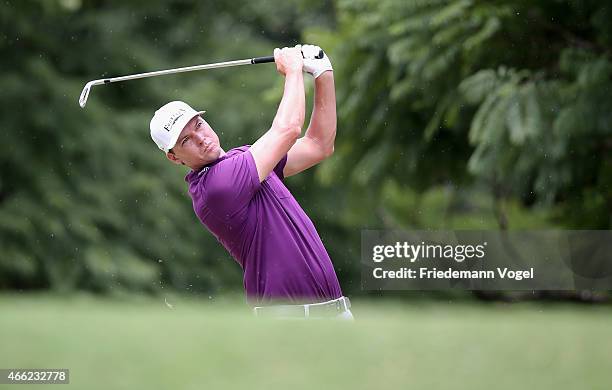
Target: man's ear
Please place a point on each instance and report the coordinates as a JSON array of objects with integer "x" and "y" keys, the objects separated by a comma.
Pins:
[{"x": 172, "y": 157}]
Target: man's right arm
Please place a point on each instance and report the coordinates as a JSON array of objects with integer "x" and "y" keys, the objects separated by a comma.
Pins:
[{"x": 286, "y": 128}]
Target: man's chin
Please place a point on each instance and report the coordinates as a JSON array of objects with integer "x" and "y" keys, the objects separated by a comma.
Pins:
[{"x": 211, "y": 156}]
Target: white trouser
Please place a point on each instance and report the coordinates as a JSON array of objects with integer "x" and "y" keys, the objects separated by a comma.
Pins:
[{"x": 336, "y": 308}]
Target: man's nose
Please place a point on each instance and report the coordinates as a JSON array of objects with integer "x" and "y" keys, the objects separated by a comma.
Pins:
[{"x": 199, "y": 138}]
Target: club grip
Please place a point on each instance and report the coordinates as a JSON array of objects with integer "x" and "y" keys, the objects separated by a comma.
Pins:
[{"x": 264, "y": 60}]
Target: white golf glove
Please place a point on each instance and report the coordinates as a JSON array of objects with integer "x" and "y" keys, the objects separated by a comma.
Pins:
[{"x": 315, "y": 66}]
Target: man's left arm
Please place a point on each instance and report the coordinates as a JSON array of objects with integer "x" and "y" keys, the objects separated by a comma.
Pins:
[{"x": 318, "y": 142}]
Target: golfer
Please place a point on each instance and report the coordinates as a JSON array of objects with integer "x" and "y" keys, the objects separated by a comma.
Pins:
[{"x": 240, "y": 197}]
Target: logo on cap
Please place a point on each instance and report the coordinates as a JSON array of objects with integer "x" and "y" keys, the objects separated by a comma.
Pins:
[{"x": 173, "y": 118}]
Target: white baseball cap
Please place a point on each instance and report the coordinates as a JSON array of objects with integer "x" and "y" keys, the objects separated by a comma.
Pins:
[{"x": 168, "y": 122}]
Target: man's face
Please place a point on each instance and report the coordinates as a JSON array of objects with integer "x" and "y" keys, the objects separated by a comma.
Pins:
[{"x": 197, "y": 145}]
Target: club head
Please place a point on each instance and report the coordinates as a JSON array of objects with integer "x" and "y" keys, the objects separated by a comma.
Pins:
[{"x": 85, "y": 94}]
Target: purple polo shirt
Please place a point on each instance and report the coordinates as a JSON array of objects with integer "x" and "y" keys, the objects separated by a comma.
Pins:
[{"x": 264, "y": 229}]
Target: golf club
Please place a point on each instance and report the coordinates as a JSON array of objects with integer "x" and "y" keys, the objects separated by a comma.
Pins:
[{"x": 250, "y": 61}]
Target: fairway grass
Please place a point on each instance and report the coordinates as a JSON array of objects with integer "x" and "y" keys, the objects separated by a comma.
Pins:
[{"x": 177, "y": 343}]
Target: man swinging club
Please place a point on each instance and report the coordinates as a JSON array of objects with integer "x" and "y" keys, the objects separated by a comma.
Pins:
[{"x": 240, "y": 197}]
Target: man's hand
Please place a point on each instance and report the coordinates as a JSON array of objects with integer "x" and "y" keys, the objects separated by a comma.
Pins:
[
  {"x": 313, "y": 65},
  {"x": 288, "y": 60}
]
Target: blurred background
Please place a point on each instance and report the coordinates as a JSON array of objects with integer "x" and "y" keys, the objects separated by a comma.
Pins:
[{"x": 462, "y": 114}]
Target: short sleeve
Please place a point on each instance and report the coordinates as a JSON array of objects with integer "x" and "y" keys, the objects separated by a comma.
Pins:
[
  {"x": 278, "y": 169},
  {"x": 231, "y": 184}
]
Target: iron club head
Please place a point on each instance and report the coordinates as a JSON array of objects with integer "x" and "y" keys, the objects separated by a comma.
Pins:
[{"x": 85, "y": 94}]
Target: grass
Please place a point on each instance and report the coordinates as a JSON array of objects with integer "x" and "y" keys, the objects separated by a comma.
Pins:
[{"x": 144, "y": 344}]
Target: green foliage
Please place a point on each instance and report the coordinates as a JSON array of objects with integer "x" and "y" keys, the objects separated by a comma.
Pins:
[
  {"x": 452, "y": 114},
  {"x": 512, "y": 95},
  {"x": 86, "y": 199}
]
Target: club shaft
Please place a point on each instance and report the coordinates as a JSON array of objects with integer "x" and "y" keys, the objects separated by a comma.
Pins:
[
  {"x": 257, "y": 60},
  {"x": 178, "y": 70}
]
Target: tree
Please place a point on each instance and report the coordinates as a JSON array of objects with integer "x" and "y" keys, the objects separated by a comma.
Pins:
[
  {"x": 514, "y": 95},
  {"x": 86, "y": 200}
]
